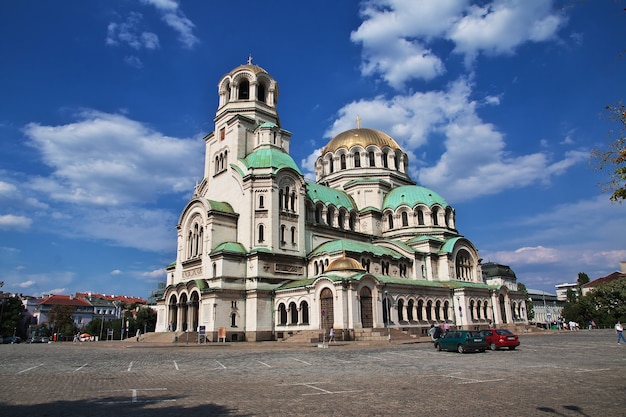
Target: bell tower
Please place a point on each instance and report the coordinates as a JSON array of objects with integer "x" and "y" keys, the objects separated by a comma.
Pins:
[{"x": 246, "y": 119}]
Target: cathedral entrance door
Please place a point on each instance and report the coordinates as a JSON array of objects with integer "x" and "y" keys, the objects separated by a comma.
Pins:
[
  {"x": 326, "y": 310},
  {"x": 367, "y": 318}
]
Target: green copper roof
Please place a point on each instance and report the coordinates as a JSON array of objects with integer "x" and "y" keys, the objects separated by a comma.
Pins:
[
  {"x": 336, "y": 246},
  {"x": 220, "y": 206},
  {"x": 269, "y": 158},
  {"x": 319, "y": 193},
  {"x": 232, "y": 247},
  {"x": 449, "y": 245},
  {"x": 412, "y": 195},
  {"x": 268, "y": 124}
]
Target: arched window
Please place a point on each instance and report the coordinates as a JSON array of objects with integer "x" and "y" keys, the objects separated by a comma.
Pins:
[
  {"x": 318, "y": 215},
  {"x": 261, "y": 202},
  {"x": 304, "y": 309},
  {"x": 261, "y": 233},
  {"x": 390, "y": 221},
  {"x": 343, "y": 161},
  {"x": 260, "y": 92},
  {"x": 330, "y": 214},
  {"x": 244, "y": 90},
  {"x": 293, "y": 235},
  {"x": 420, "y": 217},
  {"x": 282, "y": 233},
  {"x": 233, "y": 320},
  {"x": 435, "y": 215},
  {"x": 214, "y": 269},
  {"x": 331, "y": 165},
  {"x": 351, "y": 222},
  {"x": 463, "y": 265},
  {"x": 357, "y": 159},
  {"x": 400, "y": 310},
  {"x": 371, "y": 158},
  {"x": 293, "y": 309},
  {"x": 342, "y": 219},
  {"x": 405, "y": 219},
  {"x": 280, "y": 199},
  {"x": 383, "y": 159},
  {"x": 282, "y": 314}
]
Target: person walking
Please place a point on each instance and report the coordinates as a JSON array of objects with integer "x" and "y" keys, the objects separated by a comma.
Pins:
[
  {"x": 619, "y": 329},
  {"x": 331, "y": 334}
]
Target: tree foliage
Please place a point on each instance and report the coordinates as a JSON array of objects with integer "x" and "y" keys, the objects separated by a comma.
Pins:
[
  {"x": 61, "y": 319},
  {"x": 613, "y": 157},
  {"x": 605, "y": 305},
  {"x": 10, "y": 311}
]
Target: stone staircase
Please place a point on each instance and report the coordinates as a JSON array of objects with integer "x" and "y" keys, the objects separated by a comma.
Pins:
[
  {"x": 169, "y": 337},
  {"x": 303, "y": 336},
  {"x": 360, "y": 335}
]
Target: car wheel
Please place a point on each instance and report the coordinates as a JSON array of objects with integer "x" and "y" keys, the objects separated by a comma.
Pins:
[
  {"x": 461, "y": 349},
  {"x": 512, "y": 347},
  {"x": 481, "y": 350},
  {"x": 493, "y": 346}
]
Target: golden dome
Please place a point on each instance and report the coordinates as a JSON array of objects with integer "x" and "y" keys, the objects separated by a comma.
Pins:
[
  {"x": 362, "y": 137},
  {"x": 345, "y": 264}
]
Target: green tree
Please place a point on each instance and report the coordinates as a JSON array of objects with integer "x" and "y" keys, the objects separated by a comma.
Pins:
[
  {"x": 10, "y": 311},
  {"x": 145, "y": 319},
  {"x": 613, "y": 156},
  {"x": 61, "y": 319},
  {"x": 530, "y": 310},
  {"x": 582, "y": 280},
  {"x": 610, "y": 302}
]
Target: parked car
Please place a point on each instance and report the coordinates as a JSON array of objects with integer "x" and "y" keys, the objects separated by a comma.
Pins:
[
  {"x": 462, "y": 341},
  {"x": 12, "y": 339},
  {"x": 500, "y": 338}
]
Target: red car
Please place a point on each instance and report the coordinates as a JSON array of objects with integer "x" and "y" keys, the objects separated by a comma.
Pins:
[{"x": 500, "y": 338}]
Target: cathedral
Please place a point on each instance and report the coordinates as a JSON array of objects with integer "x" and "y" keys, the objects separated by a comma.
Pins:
[{"x": 265, "y": 254}]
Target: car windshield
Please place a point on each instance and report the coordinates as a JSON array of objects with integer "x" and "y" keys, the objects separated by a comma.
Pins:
[{"x": 503, "y": 332}]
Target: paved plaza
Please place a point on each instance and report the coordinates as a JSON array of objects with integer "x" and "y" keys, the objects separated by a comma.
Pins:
[{"x": 561, "y": 374}]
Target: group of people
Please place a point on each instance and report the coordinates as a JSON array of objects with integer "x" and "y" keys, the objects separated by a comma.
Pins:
[{"x": 436, "y": 331}]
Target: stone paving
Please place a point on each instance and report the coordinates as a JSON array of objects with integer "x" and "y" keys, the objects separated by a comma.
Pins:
[{"x": 559, "y": 374}]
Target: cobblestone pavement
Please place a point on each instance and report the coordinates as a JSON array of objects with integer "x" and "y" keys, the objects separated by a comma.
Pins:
[{"x": 560, "y": 374}]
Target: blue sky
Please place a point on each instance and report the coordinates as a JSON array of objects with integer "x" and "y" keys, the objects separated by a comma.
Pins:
[{"x": 103, "y": 106}]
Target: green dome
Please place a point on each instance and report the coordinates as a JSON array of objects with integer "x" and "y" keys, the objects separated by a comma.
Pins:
[
  {"x": 412, "y": 195},
  {"x": 270, "y": 158}
]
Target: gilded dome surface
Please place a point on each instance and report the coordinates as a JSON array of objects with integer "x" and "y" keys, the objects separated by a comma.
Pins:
[
  {"x": 255, "y": 69},
  {"x": 345, "y": 264},
  {"x": 362, "y": 137}
]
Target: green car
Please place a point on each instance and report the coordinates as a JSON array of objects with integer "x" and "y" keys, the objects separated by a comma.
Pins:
[{"x": 462, "y": 341}]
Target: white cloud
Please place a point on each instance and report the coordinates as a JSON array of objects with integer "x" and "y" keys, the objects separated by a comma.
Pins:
[
  {"x": 154, "y": 274},
  {"x": 12, "y": 222},
  {"x": 7, "y": 189},
  {"x": 474, "y": 161},
  {"x": 107, "y": 160},
  {"x": 129, "y": 33},
  {"x": 396, "y": 35},
  {"x": 176, "y": 19},
  {"x": 116, "y": 272},
  {"x": 26, "y": 284}
]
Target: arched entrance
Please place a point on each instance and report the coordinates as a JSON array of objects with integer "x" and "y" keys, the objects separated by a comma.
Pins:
[
  {"x": 367, "y": 316},
  {"x": 184, "y": 309},
  {"x": 195, "y": 311},
  {"x": 173, "y": 313},
  {"x": 326, "y": 309}
]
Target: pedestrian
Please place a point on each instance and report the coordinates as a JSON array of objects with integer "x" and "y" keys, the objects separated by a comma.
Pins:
[
  {"x": 619, "y": 329},
  {"x": 437, "y": 333},
  {"x": 138, "y": 334},
  {"x": 446, "y": 326},
  {"x": 331, "y": 333}
]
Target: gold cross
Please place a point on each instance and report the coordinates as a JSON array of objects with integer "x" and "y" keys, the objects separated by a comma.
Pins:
[{"x": 358, "y": 122}]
